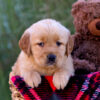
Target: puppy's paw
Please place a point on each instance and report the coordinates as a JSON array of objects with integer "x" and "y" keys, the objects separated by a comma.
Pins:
[
  {"x": 60, "y": 80},
  {"x": 32, "y": 79}
]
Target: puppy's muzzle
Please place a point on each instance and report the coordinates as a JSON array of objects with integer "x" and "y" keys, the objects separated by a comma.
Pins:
[{"x": 51, "y": 58}]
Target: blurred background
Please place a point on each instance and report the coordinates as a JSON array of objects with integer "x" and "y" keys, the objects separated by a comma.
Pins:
[{"x": 15, "y": 17}]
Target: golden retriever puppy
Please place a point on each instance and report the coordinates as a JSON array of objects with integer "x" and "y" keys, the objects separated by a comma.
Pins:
[{"x": 46, "y": 48}]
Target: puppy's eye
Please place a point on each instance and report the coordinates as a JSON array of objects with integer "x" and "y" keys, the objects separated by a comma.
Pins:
[
  {"x": 41, "y": 44},
  {"x": 58, "y": 43}
]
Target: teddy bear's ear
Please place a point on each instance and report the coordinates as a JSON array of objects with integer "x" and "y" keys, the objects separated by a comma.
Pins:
[
  {"x": 76, "y": 7},
  {"x": 70, "y": 45},
  {"x": 24, "y": 43}
]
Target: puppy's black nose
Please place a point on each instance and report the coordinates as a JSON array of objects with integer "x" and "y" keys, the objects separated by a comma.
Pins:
[{"x": 51, "y": 58}]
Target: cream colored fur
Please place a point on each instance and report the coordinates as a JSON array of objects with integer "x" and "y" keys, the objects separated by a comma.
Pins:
[{"x": 31, "y": 63}]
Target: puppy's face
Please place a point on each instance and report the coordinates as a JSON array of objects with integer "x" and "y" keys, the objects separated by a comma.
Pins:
[{"x": 48, "y": 42}]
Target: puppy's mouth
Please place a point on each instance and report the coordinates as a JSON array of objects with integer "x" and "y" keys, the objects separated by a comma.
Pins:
[{"x": 50, "y": 63}]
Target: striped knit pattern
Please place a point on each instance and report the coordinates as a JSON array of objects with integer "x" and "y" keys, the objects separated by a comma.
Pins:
[{"x": 80, "y": 87}]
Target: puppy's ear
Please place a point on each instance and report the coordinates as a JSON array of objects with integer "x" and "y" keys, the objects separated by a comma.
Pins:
[
  {"x": 24, "y": 43},
  {"x": 70, "y": 45}
]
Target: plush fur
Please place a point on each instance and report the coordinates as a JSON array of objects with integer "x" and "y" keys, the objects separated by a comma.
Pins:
[
  {"x": 38, "y": 41},
  {"x": 86, "y": 52}
]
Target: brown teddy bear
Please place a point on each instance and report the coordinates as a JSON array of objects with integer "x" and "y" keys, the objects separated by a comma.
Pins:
[{"x": 86, "y": 52}]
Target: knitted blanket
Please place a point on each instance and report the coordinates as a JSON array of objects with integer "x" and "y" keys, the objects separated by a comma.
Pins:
[{"x": 80, "y": 87}]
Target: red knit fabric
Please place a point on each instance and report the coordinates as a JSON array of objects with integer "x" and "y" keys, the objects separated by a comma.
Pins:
[
  {"x": 50, "y": 78},
  {"x": 80, "y": 87}
]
